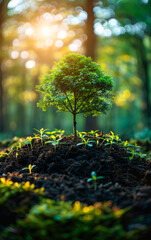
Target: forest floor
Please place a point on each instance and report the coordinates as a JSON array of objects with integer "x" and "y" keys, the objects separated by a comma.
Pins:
[{"x": 63, "y": 173}]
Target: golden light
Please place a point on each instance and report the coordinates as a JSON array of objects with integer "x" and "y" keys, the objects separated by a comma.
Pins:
[
  {"x": 16, "y": 42},
  {"x": 62, "y": 34},
  {"x": 44, "y": 32},
  {"x": 24, "y": 54},
  {"x": 73, "y": 47},
  {"x": 29, "y": 31},
  {"x": 58, "y": 17},
  {"x": 59, "y": 43},
  {"x": 14, "y": 54},
  {"x": 49, "y": 42},
  {"x": 30, "y": 64},
  {"x": 123, "y": 97}
]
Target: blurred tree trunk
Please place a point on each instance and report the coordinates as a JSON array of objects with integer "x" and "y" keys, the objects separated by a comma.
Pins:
[
  {"x": 3, "y": 13},
  {"x": 1, "y": 74},
  {"x": 143, "y": 66},
  {"x": 1, "y": 82},
  {"x": 91, "y": 122}
]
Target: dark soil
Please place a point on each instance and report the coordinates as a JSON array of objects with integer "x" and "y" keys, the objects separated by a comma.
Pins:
[{"x": 64, "y": 173}]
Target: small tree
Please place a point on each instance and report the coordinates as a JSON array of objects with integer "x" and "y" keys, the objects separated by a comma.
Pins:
[{"x": 77, "y": 85}]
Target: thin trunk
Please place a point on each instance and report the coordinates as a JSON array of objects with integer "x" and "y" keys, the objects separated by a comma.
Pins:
[
  {"x": 1, "y": 82},
  {"x": 1, "y": 100},
  {"x": 91, "y": 37},
  {"x": 91, "y": 122},
  {"x": 74, "y": 117},
  {"x": 3, "y": 15},
  {"x": 74, "y": 127},
  {"x": 143, "y": 69}
]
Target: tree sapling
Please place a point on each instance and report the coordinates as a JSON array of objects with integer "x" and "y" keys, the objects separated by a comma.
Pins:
[{"x": 77, "y": 85}]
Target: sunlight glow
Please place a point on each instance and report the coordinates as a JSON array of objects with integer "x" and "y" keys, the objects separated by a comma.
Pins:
[
  {"x": 29, "y": 31},
  {"x": 24, "y": 54},
  {"x": 15, "y": 42},
  {"x": 62, "y": 34},
  {"x": 98, "y": 28},
  {"x": 49, "y": 42},
  {"x": 44, "y": 31},
  {"x": 30, "y": 64},
  {"x": 13, "y": 3},
  {"x": 122, "y": 98},
  {"x": 58, "y": 17},
  {"x": 73, "y": 47},
  {"x": 59, "y": 43},
  {"x": 14, "y": 54},
  {"x": 48, "y": 17}
]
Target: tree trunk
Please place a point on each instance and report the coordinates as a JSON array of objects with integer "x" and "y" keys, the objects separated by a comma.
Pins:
[
  {"x": 143, "y": 70},
  {"x": 91, "y": 122},
  {"x": 3, "y": 14},
  {"x": 74, "y": 127},
  {"x": 1, "y": 80}
]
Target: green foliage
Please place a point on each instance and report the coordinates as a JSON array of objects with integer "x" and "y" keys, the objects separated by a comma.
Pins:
[
  {"x": 94, "y": 178},
  {"x": 29, "y": 141},
  {"x": 9, "y": 189},
  {"x": 3, "y": 154},
  {"x": 111, "y": 138},
  {"x": 56, "y": 137},
  {"x": 93, "y": 133},
  {"x": 61, "y": 220},
  {"x": 41, "y": 134},
  {"x": 54, "y": 141},
  {"x": 58, "y": 133},
  {"x": 85, "y": 141},
  {"x": 78, "y": 85}
]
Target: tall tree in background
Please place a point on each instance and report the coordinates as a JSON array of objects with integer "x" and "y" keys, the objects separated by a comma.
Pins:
[
  {"x": 3, "y": 16},
  {"x": 90, "y": 51}
]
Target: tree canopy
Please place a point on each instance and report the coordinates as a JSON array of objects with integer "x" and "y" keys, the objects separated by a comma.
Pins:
[{"x": 78, "y": 85}]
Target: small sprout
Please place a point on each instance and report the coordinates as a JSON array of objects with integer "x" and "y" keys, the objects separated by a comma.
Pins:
[
  {"x": 41, "y": 134},
  {"x": 126, "y": 144},
  {"x": 141, "y": 155},
  {"x": 30, "y": 167},
  {"x": 20, "y": 143},
  {"x": 29, "y": 141},
  {"x": 86, "y": 142},
  {"x": 94, "y": 133},
  {"x": 57, "y": 133},
  {"x": 2, "y": 154},
  {"x": 94, "y": 178},
  {"x": 110, "y": 139},
  {"x": 54, "y": 142}
]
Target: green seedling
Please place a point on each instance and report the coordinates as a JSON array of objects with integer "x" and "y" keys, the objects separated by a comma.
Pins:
[
  {"x": 57, "y": 133},
  {"x": 94, "y": 178},
  {"x": 126, "y": 144},
  {"x": 30, "y": 167},
  {"x": 29, "y": 141},
  {"x": 142, "y": 155},
  {"x": 16, "y": 158},
  {"x": 41, "y": 134},
  {"x": 112, "y": 139},
  {"x": 94, "y": 133},
  {"x": 19, "y": 145},
  {"x": 54, "y": 142},
  {"x": 84, "y": 141},
  {"x": 3, "y": 154}
]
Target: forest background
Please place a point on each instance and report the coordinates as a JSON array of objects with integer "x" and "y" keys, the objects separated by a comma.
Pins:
[{"x": 34, "y": 34}]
